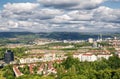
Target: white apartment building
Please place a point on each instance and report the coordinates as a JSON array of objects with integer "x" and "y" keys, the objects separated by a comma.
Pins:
[
  {"x": 85, "y": 57},
  {"x": 29, "y": 60},
  {"x": 106, "y": 56},
  {"x": 88, "y": 57},
  {"x": 91, "y": 57}
]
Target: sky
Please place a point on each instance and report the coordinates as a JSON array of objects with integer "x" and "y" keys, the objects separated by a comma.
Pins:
[{"x": 60, "y": 15}]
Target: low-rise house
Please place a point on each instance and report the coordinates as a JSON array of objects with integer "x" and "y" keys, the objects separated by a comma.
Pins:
[
  {"x": 31, "y": 68},
  {"x": 46, "y": 69},
  {"x": 51, "y": 69},
  {"x": 41, "y": 68},
  {"x": 16, "y": 71}
]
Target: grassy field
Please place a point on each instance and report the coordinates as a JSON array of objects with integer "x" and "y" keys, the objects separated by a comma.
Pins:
[{"x": 1, "y": 75}]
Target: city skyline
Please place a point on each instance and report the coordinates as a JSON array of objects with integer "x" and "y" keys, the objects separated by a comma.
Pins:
[{"x": 57, "y": 15}]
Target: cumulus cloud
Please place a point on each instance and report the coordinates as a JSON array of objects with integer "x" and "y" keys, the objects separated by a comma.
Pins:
[
  {"x": 12, "y": 24},
  {"x": 61, "y": 19},
  {"x": 47, "y": 13},
  {"x": 68, "y": 4},
  {"x": 15, "y": 10},
  {"x": 80, "y": 15},
  {"x": 107, "y": 14},
  {"x": 59, "y": 15},
  {"x": 4, "y": 29},
  {"x": 20, "y": 6},
  {"x": 114, "y": 0}
]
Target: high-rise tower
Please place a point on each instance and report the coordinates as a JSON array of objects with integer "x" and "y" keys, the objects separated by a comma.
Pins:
[{"x": 8, "y": 56}]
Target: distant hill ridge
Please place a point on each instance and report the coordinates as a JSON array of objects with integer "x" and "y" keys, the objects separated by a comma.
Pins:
[{"x": 55, "y": 35}]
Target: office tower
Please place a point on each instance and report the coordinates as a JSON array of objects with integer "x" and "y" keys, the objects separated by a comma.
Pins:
[{"x": 8, "y": 56}]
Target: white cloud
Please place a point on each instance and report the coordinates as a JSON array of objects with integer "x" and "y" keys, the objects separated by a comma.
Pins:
[
  {"x": 68, "y": 4},
  {"x": 61, "y": 19},
  {"x": 4, "y": 29},
  {"x": 25, "y": 23},
  {"x": 46, "y": 13},
  {"x": 106, "y": 14},
  {"x": 80, "y": 15},
  {"x": 12, "y": 24},
  {"x": 114, "y": 0},
  {"x": 33, "y": 17},
  {"x": 82, "y": 28},
  {"x": 20, "y": 6}
]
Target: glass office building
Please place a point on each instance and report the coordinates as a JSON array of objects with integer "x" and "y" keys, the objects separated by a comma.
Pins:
[{"x": 8, "y": 56}]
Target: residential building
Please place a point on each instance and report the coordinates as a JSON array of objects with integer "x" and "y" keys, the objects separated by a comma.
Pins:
[
  {"x": 88, "y": 57},
  {"x": 91, "y": 57},
  {"x": 106, "y": 56}
]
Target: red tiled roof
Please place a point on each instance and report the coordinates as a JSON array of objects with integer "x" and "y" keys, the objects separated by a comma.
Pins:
[
  {"x": 16, "y": 70},
  {"x": 41, "y": 66},
  {"x": 50, "y": 65},
  {"x": 87, "y": 54},
  {"x": 31, "y": 68}
]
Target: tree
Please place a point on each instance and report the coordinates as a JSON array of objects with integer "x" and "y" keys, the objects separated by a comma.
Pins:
[
  {"x": 60, "y": 72},
  {"x": 116, "y": 74},
  {"x": 72, "y": 72},
  {"x": 82, "y": 77},
  {"x": 8, "y": 72},
  {"x": 114, "y": 62},
  {"x": 100, "y": 65},
  {"x": 104, "y": 74},
  {"x": 70, "y": 61}
]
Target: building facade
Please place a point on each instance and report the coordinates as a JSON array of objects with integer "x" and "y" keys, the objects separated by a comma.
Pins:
[{"x": 8, "y": 56}]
